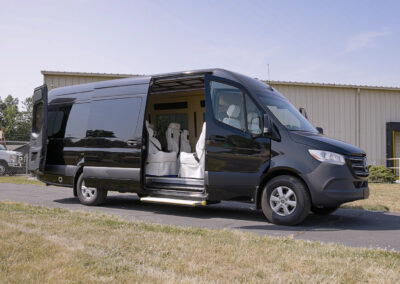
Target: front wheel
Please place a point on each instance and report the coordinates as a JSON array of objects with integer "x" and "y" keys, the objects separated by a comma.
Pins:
[
  {"x": 285, "y": 201},
  {"x": 3, "y": 168},
  {"x": 90, "y": 195}
]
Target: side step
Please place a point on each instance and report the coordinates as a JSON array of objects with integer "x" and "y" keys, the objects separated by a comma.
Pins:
[{"x": 173, "y": 201}]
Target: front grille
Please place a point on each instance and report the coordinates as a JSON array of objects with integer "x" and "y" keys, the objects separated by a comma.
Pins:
[{"x": 359, "y": 165}]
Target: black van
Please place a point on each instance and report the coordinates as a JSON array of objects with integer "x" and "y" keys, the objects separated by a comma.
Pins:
[{"x": 192, "y": 138}]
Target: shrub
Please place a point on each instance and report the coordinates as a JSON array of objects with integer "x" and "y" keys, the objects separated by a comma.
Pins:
[{"x": 381, "y": 174}]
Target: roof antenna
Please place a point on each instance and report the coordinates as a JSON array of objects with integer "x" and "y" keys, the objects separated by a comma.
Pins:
[{"x": 269, "y": 75}]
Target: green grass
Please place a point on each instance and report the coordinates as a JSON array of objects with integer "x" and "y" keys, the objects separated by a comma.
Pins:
[
  {"x": 19, "y": 180},
  {"x": 39, "y": 244}
]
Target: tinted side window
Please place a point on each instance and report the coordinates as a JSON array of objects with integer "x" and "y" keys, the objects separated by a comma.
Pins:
[
  {"x": 37, "y": 117},
  {"x": 54, "y": 124},
  {"x": 253, "y": 116},
  {"x": 227, "y": 104},
  {"x": 115, "y": 118},
  {"x": 77, "y": 121},
  {"x": 57, "y": 116}
]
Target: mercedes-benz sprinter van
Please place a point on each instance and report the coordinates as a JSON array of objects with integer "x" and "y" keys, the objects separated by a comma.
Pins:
[{"x": 192, "y": 138}]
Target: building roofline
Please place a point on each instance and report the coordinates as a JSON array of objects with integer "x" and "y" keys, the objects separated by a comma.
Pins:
[
  {"x": 271, "y": 82},
  {"x": 331, "y": 85},
  {"x": 88, "y": 74}
]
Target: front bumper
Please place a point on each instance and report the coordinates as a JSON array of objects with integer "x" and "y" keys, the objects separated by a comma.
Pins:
[
  {"x": 15, "y": 165},
  {"x": 333, "y": 185}
]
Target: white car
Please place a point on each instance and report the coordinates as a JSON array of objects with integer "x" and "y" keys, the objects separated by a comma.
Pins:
[{"x": 10, "y": 161}]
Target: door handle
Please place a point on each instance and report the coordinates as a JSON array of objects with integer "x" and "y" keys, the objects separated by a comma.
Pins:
[{"x": 132, "y": 142}]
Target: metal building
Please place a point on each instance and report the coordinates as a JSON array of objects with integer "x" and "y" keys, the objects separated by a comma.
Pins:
[{"x": 366, "y": 116}]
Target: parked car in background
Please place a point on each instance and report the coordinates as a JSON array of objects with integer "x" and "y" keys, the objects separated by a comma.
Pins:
[{"x": 11, "y": 162}]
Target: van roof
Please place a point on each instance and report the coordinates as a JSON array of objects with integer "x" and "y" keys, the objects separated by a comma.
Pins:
[{"x": 137, "y": 80}]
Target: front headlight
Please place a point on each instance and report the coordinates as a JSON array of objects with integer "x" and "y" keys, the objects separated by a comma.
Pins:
[
  {"x": 327, "y": 157},
  {"x": 13, "y": 158}
]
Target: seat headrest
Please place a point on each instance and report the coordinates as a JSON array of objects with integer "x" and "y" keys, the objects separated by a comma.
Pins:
[
  {"x": 251, "y": 116},
  {"x": 233, "y": 111},
  {"x": 174, "y": 125}
]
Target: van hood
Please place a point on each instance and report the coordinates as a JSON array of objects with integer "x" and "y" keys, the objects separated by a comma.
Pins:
[
  {"x": 321, "y": 142},
  {"x": 10, "y": 152}
]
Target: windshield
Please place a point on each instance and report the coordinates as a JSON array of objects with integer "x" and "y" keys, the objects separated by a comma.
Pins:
[
  {"x": 287, "y": 114},
  {"x": 2, "y": 147}
]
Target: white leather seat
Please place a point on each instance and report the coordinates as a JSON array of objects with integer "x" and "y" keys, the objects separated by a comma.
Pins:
[
  {"x": 185, "y": 144},
  {"x": 159, "y": 163},
  {"x": 192, "y": 164},
  {"x": 173, "y": 134},
  {"x": 233, "y": 113}
]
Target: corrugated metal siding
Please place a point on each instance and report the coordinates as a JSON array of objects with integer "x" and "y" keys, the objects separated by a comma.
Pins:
[
  {"x": 333, "y": 109},
  {"x": 55, "y": 81},
  {"x": 377, "y": 107}
]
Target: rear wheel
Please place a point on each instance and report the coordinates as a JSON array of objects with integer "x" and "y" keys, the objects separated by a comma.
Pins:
[
  {"x": 285, "y": 201},
  {"x": 90, "y": 195},
  {"x": 323, "y": 210}
]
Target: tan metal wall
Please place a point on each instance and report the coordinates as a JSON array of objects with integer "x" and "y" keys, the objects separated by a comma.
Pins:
[
  {"x": 333, "y": 109},
  {"x": 59, "y": 80},
  {"x": 377, "y": 107},
  {"x": 353, "y": 114}
]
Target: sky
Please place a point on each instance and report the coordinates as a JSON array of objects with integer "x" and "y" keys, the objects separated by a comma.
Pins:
[{"x": 344, "y": 42}]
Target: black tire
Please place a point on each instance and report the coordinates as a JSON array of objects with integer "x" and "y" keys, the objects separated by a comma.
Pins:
[
  {"x": 323, "y": 210},
  {"x": 297, "y": 204},
  {"x": 96, "y": 196},
  {"x": 3, "y": 168}
]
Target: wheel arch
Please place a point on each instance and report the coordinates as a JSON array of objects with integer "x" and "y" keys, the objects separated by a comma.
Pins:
[
  {"x": 76, "y": 176},
  {"x": 274, "y": 173}
]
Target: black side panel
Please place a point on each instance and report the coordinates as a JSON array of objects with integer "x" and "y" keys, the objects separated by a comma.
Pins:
[
  {"x": 38, "y": 142},
  {"x": 113, "y": 150}
]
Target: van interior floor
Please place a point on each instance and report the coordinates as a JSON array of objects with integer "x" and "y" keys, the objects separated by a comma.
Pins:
[{"x": 175, "y": 183}]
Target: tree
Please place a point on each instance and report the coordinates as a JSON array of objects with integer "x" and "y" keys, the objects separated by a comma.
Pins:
[{"x": 16, "y": 123}]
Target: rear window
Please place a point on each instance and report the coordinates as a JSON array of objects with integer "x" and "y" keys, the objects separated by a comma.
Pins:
[
  {"x": 37, "y": 118},
  {"x": 55, "y": 119}
]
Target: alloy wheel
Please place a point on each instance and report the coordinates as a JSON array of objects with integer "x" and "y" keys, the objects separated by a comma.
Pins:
[
  {"x": 283, "y": 201},
  {"x": 88, "y": 193}
]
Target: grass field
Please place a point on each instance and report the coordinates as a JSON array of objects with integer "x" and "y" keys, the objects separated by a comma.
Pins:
[
  {"x": 383, "y": 197},
  {"x": 19, "y": 180},
  {"x": 54, "y": 245}
]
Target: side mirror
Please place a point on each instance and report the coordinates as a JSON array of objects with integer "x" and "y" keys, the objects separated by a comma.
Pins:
[
  {"x": 267, "y": 126},
  {"x": 320, "y": 130},
  {"x": 303, "y": 111}
]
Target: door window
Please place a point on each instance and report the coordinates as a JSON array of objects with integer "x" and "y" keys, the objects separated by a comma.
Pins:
[
  {"x": 227, "y": 102},
  {"x": 253, "y": 116}
]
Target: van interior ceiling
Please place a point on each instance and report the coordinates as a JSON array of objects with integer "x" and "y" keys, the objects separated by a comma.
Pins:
[{"x": 175, "y": 126}]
